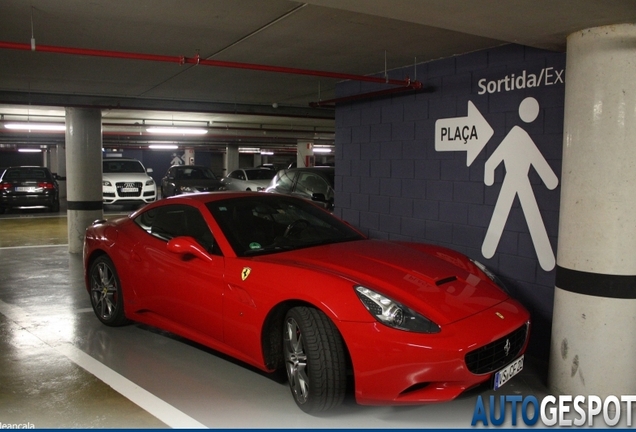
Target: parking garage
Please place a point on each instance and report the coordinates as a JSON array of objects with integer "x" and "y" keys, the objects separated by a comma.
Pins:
[{"x": 507, "y": 141}]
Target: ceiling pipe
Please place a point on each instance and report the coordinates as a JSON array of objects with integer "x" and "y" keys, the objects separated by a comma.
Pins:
[
  {"x": 331, "y": 103},
  {"x": 196, "y": 60}
]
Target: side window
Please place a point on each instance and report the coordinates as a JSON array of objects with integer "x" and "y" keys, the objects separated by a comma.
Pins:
[
  {"x": 172, "y": 221},
  {"x": 310, "y": 183},
  {"x": 234, "y": 174},
  {"x": 285, "y": 181}
]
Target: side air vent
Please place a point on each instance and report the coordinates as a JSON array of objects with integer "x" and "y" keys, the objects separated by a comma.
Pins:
[{"x": 446, "y": 280}]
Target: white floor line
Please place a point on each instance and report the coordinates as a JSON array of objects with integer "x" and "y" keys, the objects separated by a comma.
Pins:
[
  {"x": 136, "y": 394},
  {"x": 33, "y": 246}
]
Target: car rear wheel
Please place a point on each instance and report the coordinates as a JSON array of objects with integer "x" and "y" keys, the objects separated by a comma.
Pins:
[
  {"x": 314, "y": 359},
  {"x": 105, "y": 291}
]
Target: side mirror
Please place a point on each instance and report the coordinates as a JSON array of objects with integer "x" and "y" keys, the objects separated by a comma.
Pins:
[
  {"x": 320, "y": 197},
  {"x": 187, "y": 245}
]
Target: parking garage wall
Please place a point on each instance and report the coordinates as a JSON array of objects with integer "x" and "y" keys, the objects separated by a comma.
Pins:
[{"x": 404, "y": 168}]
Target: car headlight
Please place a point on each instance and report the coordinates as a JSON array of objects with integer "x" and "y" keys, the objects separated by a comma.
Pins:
[
  {"x": 394, "y": 314},
  {"x": 187, "y": 189},
  {"x": 150, "y": 182},
  {"x": 106, "y": 183},
  {"x": 493, "y": 277}
]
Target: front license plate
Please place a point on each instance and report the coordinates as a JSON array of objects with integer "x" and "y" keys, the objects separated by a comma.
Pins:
[
  {"x": 25, "y": 189},
  {"x": 130, "y": 189},
  {"x": 504, "y": 375}
]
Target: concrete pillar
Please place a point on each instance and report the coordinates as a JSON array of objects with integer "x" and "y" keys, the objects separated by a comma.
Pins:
[
  {"x": 231, "y": 159},
  {"x": 593, "y": 344},
  {"x": 84, "y": 172},
  {"x": 188, "y": 156},
  {"x": 258, "y": 160},
  {"x": 305, "y": 154}
]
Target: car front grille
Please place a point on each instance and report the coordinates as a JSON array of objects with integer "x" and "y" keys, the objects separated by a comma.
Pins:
[
  {"x": 126, "y": 185},
  {"x": 497, "y": 354}
]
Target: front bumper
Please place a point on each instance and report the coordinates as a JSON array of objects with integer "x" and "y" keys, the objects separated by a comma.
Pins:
[
  {"x": 397, "y": 367},
  {"x": 114, "y": 195}
]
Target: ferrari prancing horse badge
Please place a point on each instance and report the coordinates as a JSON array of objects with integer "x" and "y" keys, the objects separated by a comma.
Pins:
[{"x": 245, "y": 273}]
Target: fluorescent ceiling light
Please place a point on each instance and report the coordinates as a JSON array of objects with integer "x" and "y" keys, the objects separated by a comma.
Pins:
[
  {"x": 266, "y": 152},
  {"x": 322, "y": 150},
  {"x": 176, "y": 130},
  {"x": 36, "y": 126},
  {"x": 163, "y": 146},
  {"x": 249, "y": 150},
  {"x": 29, "y": 150}
]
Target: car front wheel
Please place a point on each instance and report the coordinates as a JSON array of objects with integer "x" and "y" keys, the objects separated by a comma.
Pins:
[
  {"x": 105, "y": 291},
  {"x": 314, "y": 359}
]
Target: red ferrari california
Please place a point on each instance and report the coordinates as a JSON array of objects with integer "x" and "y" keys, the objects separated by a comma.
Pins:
[{"x": 277, "y": 282}]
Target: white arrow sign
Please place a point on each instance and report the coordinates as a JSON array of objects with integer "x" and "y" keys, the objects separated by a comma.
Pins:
[{"x": 469, "y": 134}]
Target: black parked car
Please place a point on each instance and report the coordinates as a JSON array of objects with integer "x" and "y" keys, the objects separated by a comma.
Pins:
[
  {"x": 315, "y": 184},
  {"x": 29, "y": 187},
  {"x": 184, "y": 179}
]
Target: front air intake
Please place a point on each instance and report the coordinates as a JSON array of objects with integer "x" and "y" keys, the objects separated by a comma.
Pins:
[{"x": 497, "y": 354}]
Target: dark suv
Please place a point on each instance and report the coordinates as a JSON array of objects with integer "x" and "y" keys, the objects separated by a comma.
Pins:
[
  {"x": 315, "y": 184},
  {"x": 29, "y": 187}
]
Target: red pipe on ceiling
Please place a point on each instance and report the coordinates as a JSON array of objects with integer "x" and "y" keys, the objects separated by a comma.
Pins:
[{"x": 196, "y": 60}]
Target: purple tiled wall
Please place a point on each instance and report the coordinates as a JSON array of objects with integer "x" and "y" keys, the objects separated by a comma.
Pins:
[{"x": 392, "y": 183}]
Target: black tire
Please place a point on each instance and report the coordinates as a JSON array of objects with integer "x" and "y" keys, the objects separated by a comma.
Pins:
[
  {"x": 55, "y": 208},
  {"x": 106, "y": 295},
  {"x": 314, "y": 359}
]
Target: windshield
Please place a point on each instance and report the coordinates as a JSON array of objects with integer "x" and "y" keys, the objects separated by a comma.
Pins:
[
  {"x": 121, "y": 166},
  {"x": 194, "y": 173},
  {"x": 30, "y": 173},
  {"x": 272, "y": 223},
  {"x": 260, "y": 174}
]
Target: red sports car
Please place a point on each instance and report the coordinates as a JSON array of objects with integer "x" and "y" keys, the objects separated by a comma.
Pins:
[{"x": 278, "y": 282}]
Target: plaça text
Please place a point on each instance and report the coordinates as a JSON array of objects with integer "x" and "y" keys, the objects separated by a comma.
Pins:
[
  {"x": 564, "y": 410},
  {"x": 548, "y": 76},
  {"x": 465, "y": 133}
]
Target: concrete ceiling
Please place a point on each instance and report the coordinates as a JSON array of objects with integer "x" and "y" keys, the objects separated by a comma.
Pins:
[{"x": 344, "y": 36}]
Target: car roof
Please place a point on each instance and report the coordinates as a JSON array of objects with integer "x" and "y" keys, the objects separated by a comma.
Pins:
[
  {"x": 206, "y": 197},
  {"x": 188, "y": 166},
  {"x": 26, "y": 166},
  {"x": 120, "y": 159},
  {"x": 315, "y": 168}
]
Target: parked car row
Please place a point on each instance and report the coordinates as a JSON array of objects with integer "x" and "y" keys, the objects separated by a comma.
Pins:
[
  {"x": 314, "y": 184},
  {"x": 127, "y": 181}
]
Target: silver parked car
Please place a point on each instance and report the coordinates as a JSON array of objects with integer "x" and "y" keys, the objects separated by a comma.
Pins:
[
  {"x": 314, "y": 184},
  {"x": 248, "y": 179}
]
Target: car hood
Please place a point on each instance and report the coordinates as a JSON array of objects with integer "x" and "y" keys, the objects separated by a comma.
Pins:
[
  {"x": 444, "y": 288},
  {"x": 126, "y": 177}
]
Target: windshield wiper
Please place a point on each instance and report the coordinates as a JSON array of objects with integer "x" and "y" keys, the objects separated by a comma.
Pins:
[{"x": 270, "y": 248}]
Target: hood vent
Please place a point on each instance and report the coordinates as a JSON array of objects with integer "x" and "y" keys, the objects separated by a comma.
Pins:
[{"x": 449, "y": 279}]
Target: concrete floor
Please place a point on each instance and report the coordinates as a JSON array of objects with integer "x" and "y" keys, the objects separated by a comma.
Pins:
[{"x": 60, "y": 367}]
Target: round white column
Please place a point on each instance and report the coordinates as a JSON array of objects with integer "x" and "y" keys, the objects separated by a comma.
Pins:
[
  {"x": 231, "y": 158},
  {"x": 305, "y": 154},
  {"x": 593, "y": 344},
  {"x": 83, "y": 172}
]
